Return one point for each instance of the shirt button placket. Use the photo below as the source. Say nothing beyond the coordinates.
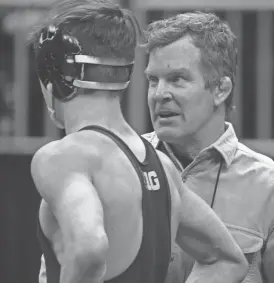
(183, 176)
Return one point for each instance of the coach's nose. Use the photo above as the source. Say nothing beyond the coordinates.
(162, 93)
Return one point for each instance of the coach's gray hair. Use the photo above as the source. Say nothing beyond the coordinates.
(210, 34)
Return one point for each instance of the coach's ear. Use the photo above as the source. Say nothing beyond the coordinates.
(222, 91)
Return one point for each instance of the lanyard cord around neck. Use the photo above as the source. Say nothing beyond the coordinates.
(179, 167)
(216, 184)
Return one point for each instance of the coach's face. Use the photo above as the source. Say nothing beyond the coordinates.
(178, 102)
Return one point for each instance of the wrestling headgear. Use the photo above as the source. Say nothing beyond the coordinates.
(60, 61)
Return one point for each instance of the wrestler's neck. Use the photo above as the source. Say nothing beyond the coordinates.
(192, 145)
(96, 110)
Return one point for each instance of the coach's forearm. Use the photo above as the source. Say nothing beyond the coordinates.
(221, 271)
(87, 266)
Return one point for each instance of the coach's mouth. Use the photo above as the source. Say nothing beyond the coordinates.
(166, 114)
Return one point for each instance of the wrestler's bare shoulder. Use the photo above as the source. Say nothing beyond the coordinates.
(75, 148)
(75, 153)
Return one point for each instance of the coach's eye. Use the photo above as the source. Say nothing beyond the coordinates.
(152, 80)
(178, 79)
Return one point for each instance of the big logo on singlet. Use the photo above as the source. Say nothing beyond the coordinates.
(152, 181)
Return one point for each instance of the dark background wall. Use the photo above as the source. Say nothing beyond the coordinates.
(19, 202)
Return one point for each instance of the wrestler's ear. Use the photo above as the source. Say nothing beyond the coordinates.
(222, 91)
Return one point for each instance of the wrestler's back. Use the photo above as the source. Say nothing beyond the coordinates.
(120, 191)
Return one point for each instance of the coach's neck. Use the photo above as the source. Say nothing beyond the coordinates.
(99, 108)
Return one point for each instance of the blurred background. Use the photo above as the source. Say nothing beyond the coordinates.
(25, 126)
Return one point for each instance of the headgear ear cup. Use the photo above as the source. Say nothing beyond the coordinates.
(60, 61)
(53, 62)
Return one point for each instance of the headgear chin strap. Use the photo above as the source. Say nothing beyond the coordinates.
(50, 106)
(53, 118)
(60, 61)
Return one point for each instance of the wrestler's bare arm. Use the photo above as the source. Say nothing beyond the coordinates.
(61, 176)
(205, 238)
(202, 234)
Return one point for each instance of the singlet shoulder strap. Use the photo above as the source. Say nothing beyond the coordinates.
(153, 152)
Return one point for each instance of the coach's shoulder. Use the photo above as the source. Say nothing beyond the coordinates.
(261, 166)
(152, 138)
(253, 156)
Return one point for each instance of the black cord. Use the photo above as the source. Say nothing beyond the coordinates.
(216, 183)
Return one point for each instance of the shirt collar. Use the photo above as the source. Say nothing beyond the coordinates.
(226, 145)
